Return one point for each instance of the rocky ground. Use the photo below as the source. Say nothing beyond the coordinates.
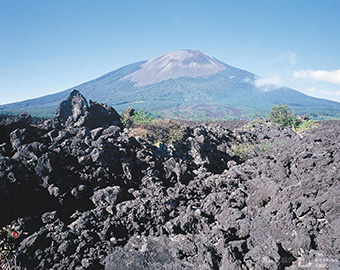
(80, 193)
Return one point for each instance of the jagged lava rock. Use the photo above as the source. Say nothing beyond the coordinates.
(94, 197)
(76, 112)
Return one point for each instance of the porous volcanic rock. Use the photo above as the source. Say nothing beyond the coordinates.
(83, 194)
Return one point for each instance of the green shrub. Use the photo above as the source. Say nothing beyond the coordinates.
(137, 117)
(282, 115)
(305, 125)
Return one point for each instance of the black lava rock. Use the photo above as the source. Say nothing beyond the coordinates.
(81, 193)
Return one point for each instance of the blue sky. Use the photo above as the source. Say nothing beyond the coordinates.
(48, 46)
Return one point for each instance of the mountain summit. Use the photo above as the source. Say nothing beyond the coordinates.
(183, 63)
(185, 84)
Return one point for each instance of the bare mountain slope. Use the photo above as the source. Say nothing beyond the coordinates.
(184, 63)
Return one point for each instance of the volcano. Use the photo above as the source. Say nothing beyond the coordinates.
(184, 84)
(185, 63)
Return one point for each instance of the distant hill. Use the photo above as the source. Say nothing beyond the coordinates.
(185, 84)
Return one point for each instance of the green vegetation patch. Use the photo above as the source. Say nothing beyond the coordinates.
(156, 131)
(304, 125)
(130, 116)
(246, 151)
(253, 123)
(283, 116)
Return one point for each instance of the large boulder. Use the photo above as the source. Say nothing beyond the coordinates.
(102, 115)
(74, 110)
(77, 112)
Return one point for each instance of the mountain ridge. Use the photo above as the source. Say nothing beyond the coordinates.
(219, 92)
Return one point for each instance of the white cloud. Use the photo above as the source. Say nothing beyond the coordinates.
(292, 58)
(327, 93)
(319, 75)
(268, 84)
